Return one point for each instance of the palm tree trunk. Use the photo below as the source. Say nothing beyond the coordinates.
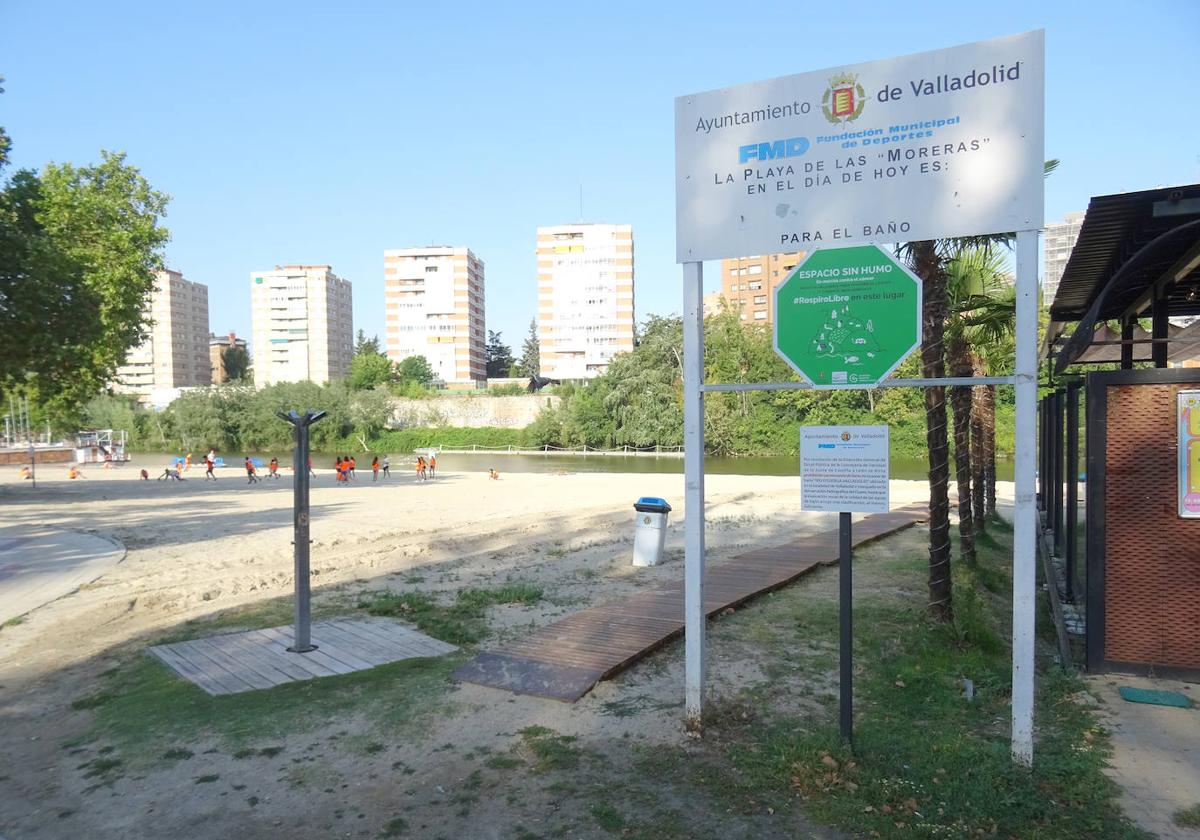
(928, 266)
(977, 449)
(960, 399)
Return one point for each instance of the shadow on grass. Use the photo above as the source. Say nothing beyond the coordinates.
(144, 705)
(928, 761)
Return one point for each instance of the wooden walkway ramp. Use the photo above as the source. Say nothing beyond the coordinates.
(565, 659)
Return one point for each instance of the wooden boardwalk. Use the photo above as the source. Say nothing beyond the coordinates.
(235, 662)
(565, 659)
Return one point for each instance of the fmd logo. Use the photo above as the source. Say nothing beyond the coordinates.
(791, 147)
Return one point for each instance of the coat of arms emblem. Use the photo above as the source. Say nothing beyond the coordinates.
(844, 99)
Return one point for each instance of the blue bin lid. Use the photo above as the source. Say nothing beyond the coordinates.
(651, 504)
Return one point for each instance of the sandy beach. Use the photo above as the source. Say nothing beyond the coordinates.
(198, 549)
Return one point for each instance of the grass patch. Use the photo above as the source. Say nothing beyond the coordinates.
(101, 767)
(550, 751)
(503, 762)
(395, 827)
(608, 817)
(15, 621)
(635, 705)
(148, 708)
(92, 701)
(1188, 817)
(927, 762)
(462, 623)
(177, 754)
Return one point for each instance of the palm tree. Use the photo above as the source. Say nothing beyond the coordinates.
(928, 259)
(979, 313)
(993, 327)
(928, 264)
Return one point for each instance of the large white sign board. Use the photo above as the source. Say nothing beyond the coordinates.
(928, 146)
(844, 469)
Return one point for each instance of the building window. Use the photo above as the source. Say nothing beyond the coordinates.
(760, 299)
(760, 315)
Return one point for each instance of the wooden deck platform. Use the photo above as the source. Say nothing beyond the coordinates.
(236, 662)
(565, 659)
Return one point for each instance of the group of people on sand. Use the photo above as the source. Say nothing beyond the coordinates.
(252, 470)
(344, 468)
(426, 469)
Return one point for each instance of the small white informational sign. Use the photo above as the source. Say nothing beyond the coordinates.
(928, 146)
(844, 469)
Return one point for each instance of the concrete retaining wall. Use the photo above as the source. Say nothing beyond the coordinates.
(470, 411)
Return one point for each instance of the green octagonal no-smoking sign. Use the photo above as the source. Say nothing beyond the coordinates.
(847, 317)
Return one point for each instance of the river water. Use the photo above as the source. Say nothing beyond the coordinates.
(901, 468)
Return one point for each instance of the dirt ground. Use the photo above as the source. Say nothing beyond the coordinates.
(408, 753)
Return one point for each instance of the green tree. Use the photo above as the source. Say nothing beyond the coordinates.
(415, 369)
(499, 356)
(645, 397)
(117, 411)
(531, 349)
(235, 361)
(370, 370)
(79, 247)
(362, 344)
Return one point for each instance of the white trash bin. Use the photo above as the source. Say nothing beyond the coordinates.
(650, 530)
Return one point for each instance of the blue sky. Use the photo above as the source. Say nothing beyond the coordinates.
(325, 133)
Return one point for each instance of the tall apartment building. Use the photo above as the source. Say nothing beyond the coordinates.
(175, 354)
(435, 308)
(302, 326)
(748, 283)
(217, 345)
(1059, 240)
(585, 298)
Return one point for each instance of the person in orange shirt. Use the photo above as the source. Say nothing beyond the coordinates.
(420, 468)
(375, 469)
(251, 478)
(274, 467)
(353, 464)
(432, 465)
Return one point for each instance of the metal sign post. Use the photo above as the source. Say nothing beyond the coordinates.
(845, 630)
(693, 482)
(301, 641)
(1024, 513)
(844, 470)
(937, 145)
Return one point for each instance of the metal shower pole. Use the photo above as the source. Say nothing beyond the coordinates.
(301, 639)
